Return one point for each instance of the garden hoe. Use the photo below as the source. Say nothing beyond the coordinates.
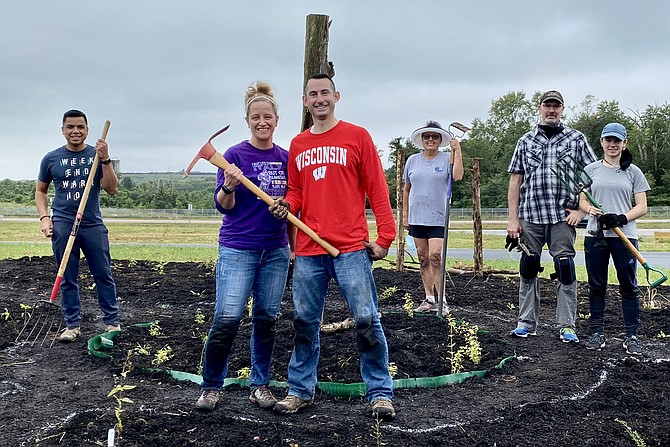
(209, 153)
(46, 314)
(573, 176)
(441, 298)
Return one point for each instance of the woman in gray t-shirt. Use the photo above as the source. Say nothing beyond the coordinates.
(426, 178)
(621, 190)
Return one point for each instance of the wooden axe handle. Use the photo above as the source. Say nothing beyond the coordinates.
(209, 153)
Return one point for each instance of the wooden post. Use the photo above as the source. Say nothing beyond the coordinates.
(400, 206)
(316, 55)
(478, 254)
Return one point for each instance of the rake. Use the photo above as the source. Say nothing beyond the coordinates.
(441, 299)
(572, 175)
(46, 314)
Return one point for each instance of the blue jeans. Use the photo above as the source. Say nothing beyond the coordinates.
(94, 243)
(597, 254)
(240, 273)
(353, 273)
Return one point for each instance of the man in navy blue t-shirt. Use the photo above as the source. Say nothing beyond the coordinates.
(68, 168)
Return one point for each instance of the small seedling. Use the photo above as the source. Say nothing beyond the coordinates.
(5, 314)
(584, 316)
(142, 349)
(117, 393)
(408, 305)
(511, 306)
(163, 355)
(634, 435)
(199, 317)
(155, 330)
(388, 293)
(471, 349)
(25, 314)
(377, 432)
(244, 373)
(662, 334)
(393, 369)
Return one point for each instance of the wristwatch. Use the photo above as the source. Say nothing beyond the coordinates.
(226, 190)
(106, 162)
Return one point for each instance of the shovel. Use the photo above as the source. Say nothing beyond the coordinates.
(441, 299)
(573, 176)
(210, 154)
(46, 313)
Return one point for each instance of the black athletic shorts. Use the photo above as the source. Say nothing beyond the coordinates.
(425, 232)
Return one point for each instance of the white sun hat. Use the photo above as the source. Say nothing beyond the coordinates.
(433, 127)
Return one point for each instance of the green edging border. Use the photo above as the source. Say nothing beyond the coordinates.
(105, 341)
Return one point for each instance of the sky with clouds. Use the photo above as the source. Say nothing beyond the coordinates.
(168, 74)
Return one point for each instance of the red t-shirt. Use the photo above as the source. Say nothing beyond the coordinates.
(329, 176)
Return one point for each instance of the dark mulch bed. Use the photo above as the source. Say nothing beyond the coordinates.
(550, 394)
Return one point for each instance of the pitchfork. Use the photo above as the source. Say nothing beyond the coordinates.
(572, 175)
(47, 312)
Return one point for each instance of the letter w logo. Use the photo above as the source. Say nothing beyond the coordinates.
(319, 173)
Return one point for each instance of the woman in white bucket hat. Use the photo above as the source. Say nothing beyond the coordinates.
(427, 181)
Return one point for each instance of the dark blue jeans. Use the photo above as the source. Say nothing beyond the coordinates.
(94, 243)
(597, 253)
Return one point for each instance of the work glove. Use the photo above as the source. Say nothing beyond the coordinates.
(611, 220)
(280, 209)
(511, 243)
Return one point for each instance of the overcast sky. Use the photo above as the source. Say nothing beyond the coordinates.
(168, 74)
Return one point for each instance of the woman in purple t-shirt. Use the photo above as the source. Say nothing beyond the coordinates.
(254, 252)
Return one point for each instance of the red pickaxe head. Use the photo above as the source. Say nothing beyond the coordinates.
(206, 152)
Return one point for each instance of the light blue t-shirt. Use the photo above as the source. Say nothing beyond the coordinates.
(428, 194)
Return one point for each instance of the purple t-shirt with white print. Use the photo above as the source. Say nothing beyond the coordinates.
(249, 224)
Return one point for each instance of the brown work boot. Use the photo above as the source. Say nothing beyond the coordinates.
(113, 328)
(69, 335)
(382, 409)
(262, 396)
(291, 404)
(208, 400)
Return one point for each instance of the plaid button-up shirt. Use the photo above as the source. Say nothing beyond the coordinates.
(543, 198)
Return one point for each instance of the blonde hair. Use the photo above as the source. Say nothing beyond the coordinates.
(259, 91)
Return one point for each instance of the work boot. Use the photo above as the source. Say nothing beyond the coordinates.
(382, 409)
(113, 328)
(291, 404)
(69, 335)
(262, 396)
(208, 400)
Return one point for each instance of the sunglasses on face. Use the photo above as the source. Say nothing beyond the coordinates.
(431, 136)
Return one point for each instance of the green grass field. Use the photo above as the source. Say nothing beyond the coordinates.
(196, 242)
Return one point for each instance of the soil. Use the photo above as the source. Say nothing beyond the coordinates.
(548, 393)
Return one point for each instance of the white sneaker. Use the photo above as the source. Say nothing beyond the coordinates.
(426, 306)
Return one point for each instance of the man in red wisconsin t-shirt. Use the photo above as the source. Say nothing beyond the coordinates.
(332, 167)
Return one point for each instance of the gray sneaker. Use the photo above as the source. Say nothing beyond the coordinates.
(262, 396)
(208, 400)
(632, 345)
(596, 341)
(426, 306)
(382, 409)
(291, 404)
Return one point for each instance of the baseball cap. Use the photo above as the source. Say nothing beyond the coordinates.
(552, 95)
(614, 130)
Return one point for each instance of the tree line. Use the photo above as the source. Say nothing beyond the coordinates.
(492, 140)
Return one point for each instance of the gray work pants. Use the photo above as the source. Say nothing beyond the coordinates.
(560, 238)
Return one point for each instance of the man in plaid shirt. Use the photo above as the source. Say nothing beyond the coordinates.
(542, 210)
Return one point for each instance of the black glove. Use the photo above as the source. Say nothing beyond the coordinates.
(280, 209)
(611, 220)
(511, 243)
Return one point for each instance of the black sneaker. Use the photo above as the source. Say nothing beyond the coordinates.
(596, 341)
(632, 345)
